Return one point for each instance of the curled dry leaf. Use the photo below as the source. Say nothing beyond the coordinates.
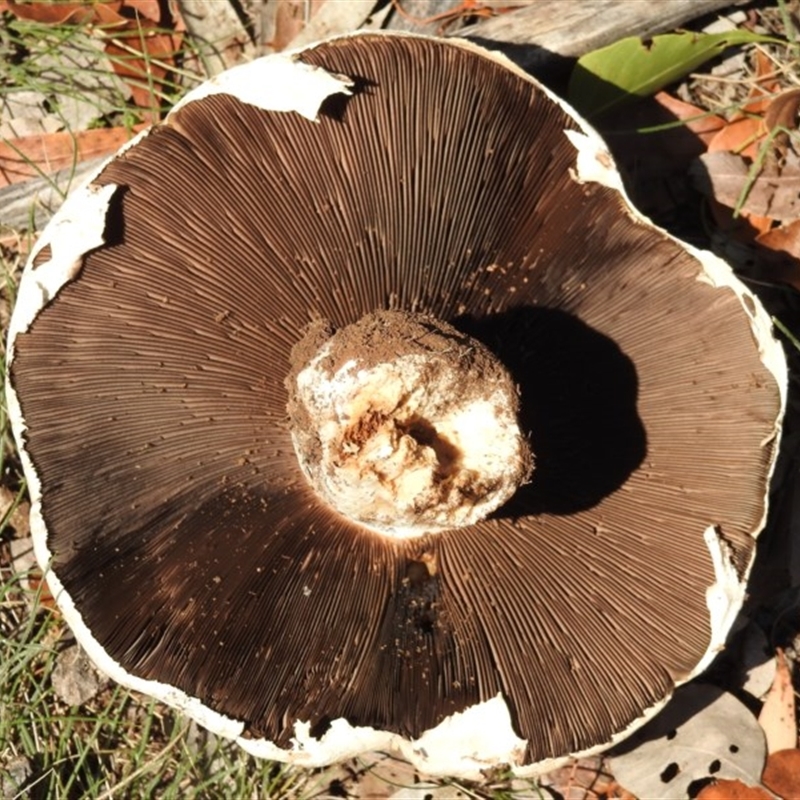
(782, 774)
(283, 22)
(103, 12)
(733, 790)
(777, 716)
(149, 9)
(740, 136)
(782, 111)
(144, 51)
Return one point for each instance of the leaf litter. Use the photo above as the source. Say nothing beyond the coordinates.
(778, 717)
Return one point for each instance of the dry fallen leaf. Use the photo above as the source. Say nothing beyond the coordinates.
(702, 733)
(43, 154)
(782, 111)
(149, 9)
(284, 21)
(103, 12)
(334, 19)
(727, 177)
(704, 125)
(769, 192)
(782, 774)
(733, 790)
(739, 136)
(784, 239)
(777, 716)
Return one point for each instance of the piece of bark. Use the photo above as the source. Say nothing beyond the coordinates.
(30, 205)
(544, 32)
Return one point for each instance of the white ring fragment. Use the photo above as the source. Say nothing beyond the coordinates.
(724, 597)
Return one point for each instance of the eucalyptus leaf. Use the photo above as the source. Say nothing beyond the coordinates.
(636, 67)
(704, 733)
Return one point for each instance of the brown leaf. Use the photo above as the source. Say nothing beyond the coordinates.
(777, 714)
(782, 774)
(782, 111)
(732, 790)
(148, 9)
(142, 55)
(30, 156)
(151, 31)
(726, 177)
(780, 260)
(741, 135)
(785, 239)
(765, 86)
(104, 12)
(289, 18)
(696, 119)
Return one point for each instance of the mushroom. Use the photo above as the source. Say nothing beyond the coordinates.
(365, 412)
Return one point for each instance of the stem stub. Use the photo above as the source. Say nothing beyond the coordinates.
(404, 424)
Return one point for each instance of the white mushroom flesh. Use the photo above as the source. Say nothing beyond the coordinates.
(422, 442)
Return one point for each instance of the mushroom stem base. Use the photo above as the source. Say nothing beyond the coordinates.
(405, 425)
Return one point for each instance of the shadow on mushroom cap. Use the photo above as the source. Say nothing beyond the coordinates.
(579, 394)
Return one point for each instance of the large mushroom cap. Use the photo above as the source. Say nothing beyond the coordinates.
(149, 357)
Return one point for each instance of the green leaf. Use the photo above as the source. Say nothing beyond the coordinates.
(635, 67)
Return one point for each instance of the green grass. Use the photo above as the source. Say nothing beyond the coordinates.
(65, 63)
(118, 744)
